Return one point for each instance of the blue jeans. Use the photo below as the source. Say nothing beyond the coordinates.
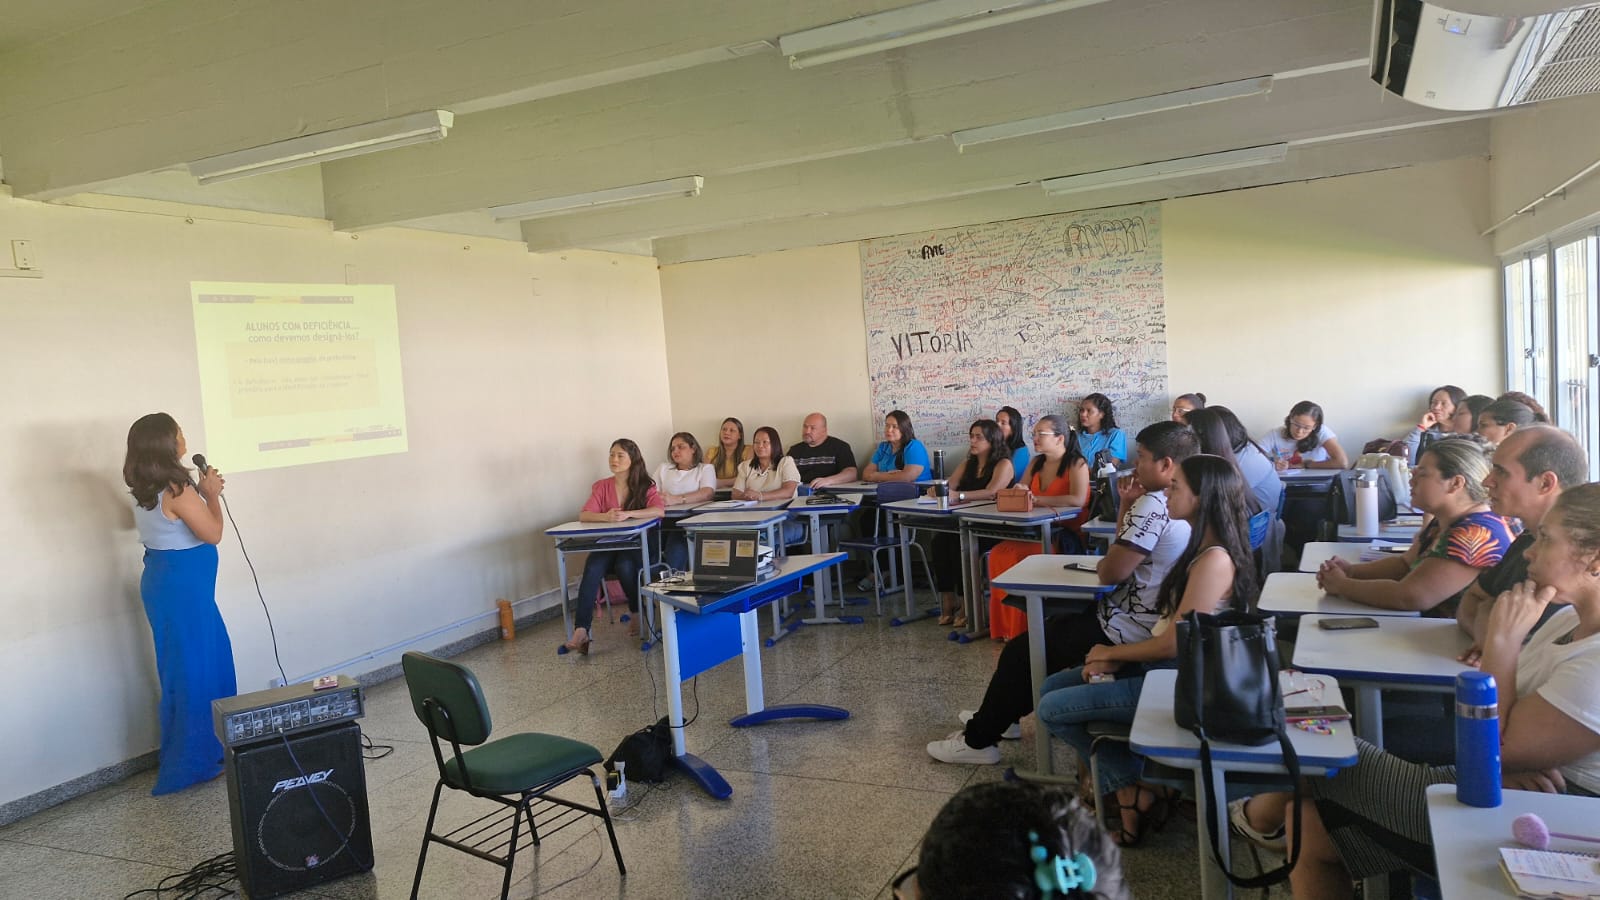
(623, 564)
(1067, 704)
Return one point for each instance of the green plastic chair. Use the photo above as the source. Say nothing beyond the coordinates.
(516, 771)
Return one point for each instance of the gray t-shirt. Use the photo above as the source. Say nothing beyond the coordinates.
(1129, 612)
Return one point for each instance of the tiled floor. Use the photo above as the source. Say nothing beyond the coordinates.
(819, 809)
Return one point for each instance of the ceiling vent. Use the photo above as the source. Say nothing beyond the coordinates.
(1445, 59)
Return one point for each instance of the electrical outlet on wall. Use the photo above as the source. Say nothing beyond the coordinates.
(24, 263)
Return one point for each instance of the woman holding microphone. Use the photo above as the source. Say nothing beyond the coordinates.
(180, 524)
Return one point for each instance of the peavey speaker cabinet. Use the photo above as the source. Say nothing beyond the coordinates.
(299, 807)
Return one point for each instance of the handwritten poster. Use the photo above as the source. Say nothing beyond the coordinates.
(1031, 313)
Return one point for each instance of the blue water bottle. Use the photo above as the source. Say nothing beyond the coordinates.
(1477, 740)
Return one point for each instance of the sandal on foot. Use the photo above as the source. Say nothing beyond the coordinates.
(1151, 808)
(946, 620)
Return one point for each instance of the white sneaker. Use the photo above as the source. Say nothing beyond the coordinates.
(1239, 824)
(954, 749)
(1014, 733)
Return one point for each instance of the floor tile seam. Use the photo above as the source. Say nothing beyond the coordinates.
(140, 862)
(840, 781)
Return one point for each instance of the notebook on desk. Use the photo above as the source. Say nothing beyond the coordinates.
(723, 561)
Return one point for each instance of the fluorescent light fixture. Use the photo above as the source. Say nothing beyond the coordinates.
(1204, 164)
(687, 186)
(371, 137)
(1122, 109)
(911, 25)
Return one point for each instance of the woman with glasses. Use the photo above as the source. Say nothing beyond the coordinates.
(1185, 404)
(1059, 477)
(1097, 430)
(1304, 442)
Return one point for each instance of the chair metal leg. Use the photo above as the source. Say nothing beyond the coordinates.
(605, 813)
(427, 835)
(511, 852)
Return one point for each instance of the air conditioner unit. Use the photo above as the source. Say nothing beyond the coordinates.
(1446, 59)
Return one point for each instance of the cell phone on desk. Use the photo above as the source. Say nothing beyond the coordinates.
(1081, 567)
(1304, 713)
(1353, 623)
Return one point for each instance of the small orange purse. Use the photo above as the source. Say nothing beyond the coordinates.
(1013, 500)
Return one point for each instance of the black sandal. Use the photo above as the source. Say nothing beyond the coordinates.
(1152, 817)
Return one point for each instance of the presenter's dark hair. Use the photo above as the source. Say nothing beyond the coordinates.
(1018, 426)
(907, 435)
(152, 463)
(1221, 510)
(1102, 403)
(998, 449)
(979, 846)
(1074, 452)
(694, 445)
(639, 480)
(777, 445)
(1169, 440)
(1313, 440)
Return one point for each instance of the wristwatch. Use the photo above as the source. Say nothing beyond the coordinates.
(961, 497)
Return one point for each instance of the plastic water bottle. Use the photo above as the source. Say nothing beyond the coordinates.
(508, 621)
(1477, 740)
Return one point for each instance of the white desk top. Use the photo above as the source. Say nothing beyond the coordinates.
(579, 529)
(750, 517)
(1315, 553)
(991, 513)
(853, 487)
(1156, 734)
(917, 507)
(1297, 594)
(1100, 528)
(1388, 532)
(801, 506)
(680, 510)
(1399, 651)
(1046, 575)
(1467, 839)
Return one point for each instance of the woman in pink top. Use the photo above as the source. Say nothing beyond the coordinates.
(630, 493)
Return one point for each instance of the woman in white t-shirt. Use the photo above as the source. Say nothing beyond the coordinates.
(1304, 442)
(687, 478)
(1372, 818)
(769, 474)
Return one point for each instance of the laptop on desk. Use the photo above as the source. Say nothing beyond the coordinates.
(724, 561)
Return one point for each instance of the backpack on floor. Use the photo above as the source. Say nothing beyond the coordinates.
(646, 753)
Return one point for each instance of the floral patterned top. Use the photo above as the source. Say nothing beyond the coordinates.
(1476, 539)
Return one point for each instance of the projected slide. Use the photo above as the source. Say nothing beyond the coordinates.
(297, 373)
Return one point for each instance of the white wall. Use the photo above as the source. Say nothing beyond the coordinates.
(1361, 292)
(504, 369)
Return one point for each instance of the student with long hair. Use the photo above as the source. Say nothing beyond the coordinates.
(1214, 570)
(1439, 420)
(1465, 419)
(729, 452)
(1504, 416)
(1014, 434)
(1304, 441)
(1212, 426)
(1463, 537)
(1015, 840)
(630, 493)
(770, 474)
(899, 456)
(1058, 476)
(985, 471)
(180, 523)
(1097, 430)
(1372, 818)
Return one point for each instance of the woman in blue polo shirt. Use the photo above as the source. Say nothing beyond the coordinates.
(900, 456)
(1097, 430)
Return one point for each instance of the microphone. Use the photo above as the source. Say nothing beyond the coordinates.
(1530, 830)
(200, 462)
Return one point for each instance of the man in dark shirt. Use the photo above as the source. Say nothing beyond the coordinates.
(822, 460)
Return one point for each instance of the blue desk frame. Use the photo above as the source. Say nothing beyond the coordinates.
(697, 639)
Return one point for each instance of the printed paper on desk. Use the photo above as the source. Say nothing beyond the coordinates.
(1542, 873)
(714, 551)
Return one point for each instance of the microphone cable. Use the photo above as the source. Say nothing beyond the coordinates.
(253, 577)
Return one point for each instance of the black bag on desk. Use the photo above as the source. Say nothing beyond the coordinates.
(1227, 690)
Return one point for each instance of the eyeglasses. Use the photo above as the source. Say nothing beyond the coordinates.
(1045, 434)
(898, 886)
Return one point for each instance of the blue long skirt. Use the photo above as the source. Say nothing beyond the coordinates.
(194, 660)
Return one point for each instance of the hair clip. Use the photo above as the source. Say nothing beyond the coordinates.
(1057, 874)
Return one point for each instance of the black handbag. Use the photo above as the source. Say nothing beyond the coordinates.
(1227, 690)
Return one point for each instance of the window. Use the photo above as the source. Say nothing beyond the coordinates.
(1553, 333)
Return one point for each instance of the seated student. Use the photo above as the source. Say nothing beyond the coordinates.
(1462, 538)
(769, 475)
(1185, 404)
(1212, 426)
(1014, 434)
(1015, 840)
(1214, 570)
(1097, 430)
(1058, 476)
(1438, 420)
(629, 493)
(1303, 441)
(729, 452)
(684, 480)
(821, 458)
(1539, 415)
(1147, 543)
(1465, 420)
(1372, 818)
(986, 470)
(1505, 415)
(900, 456)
